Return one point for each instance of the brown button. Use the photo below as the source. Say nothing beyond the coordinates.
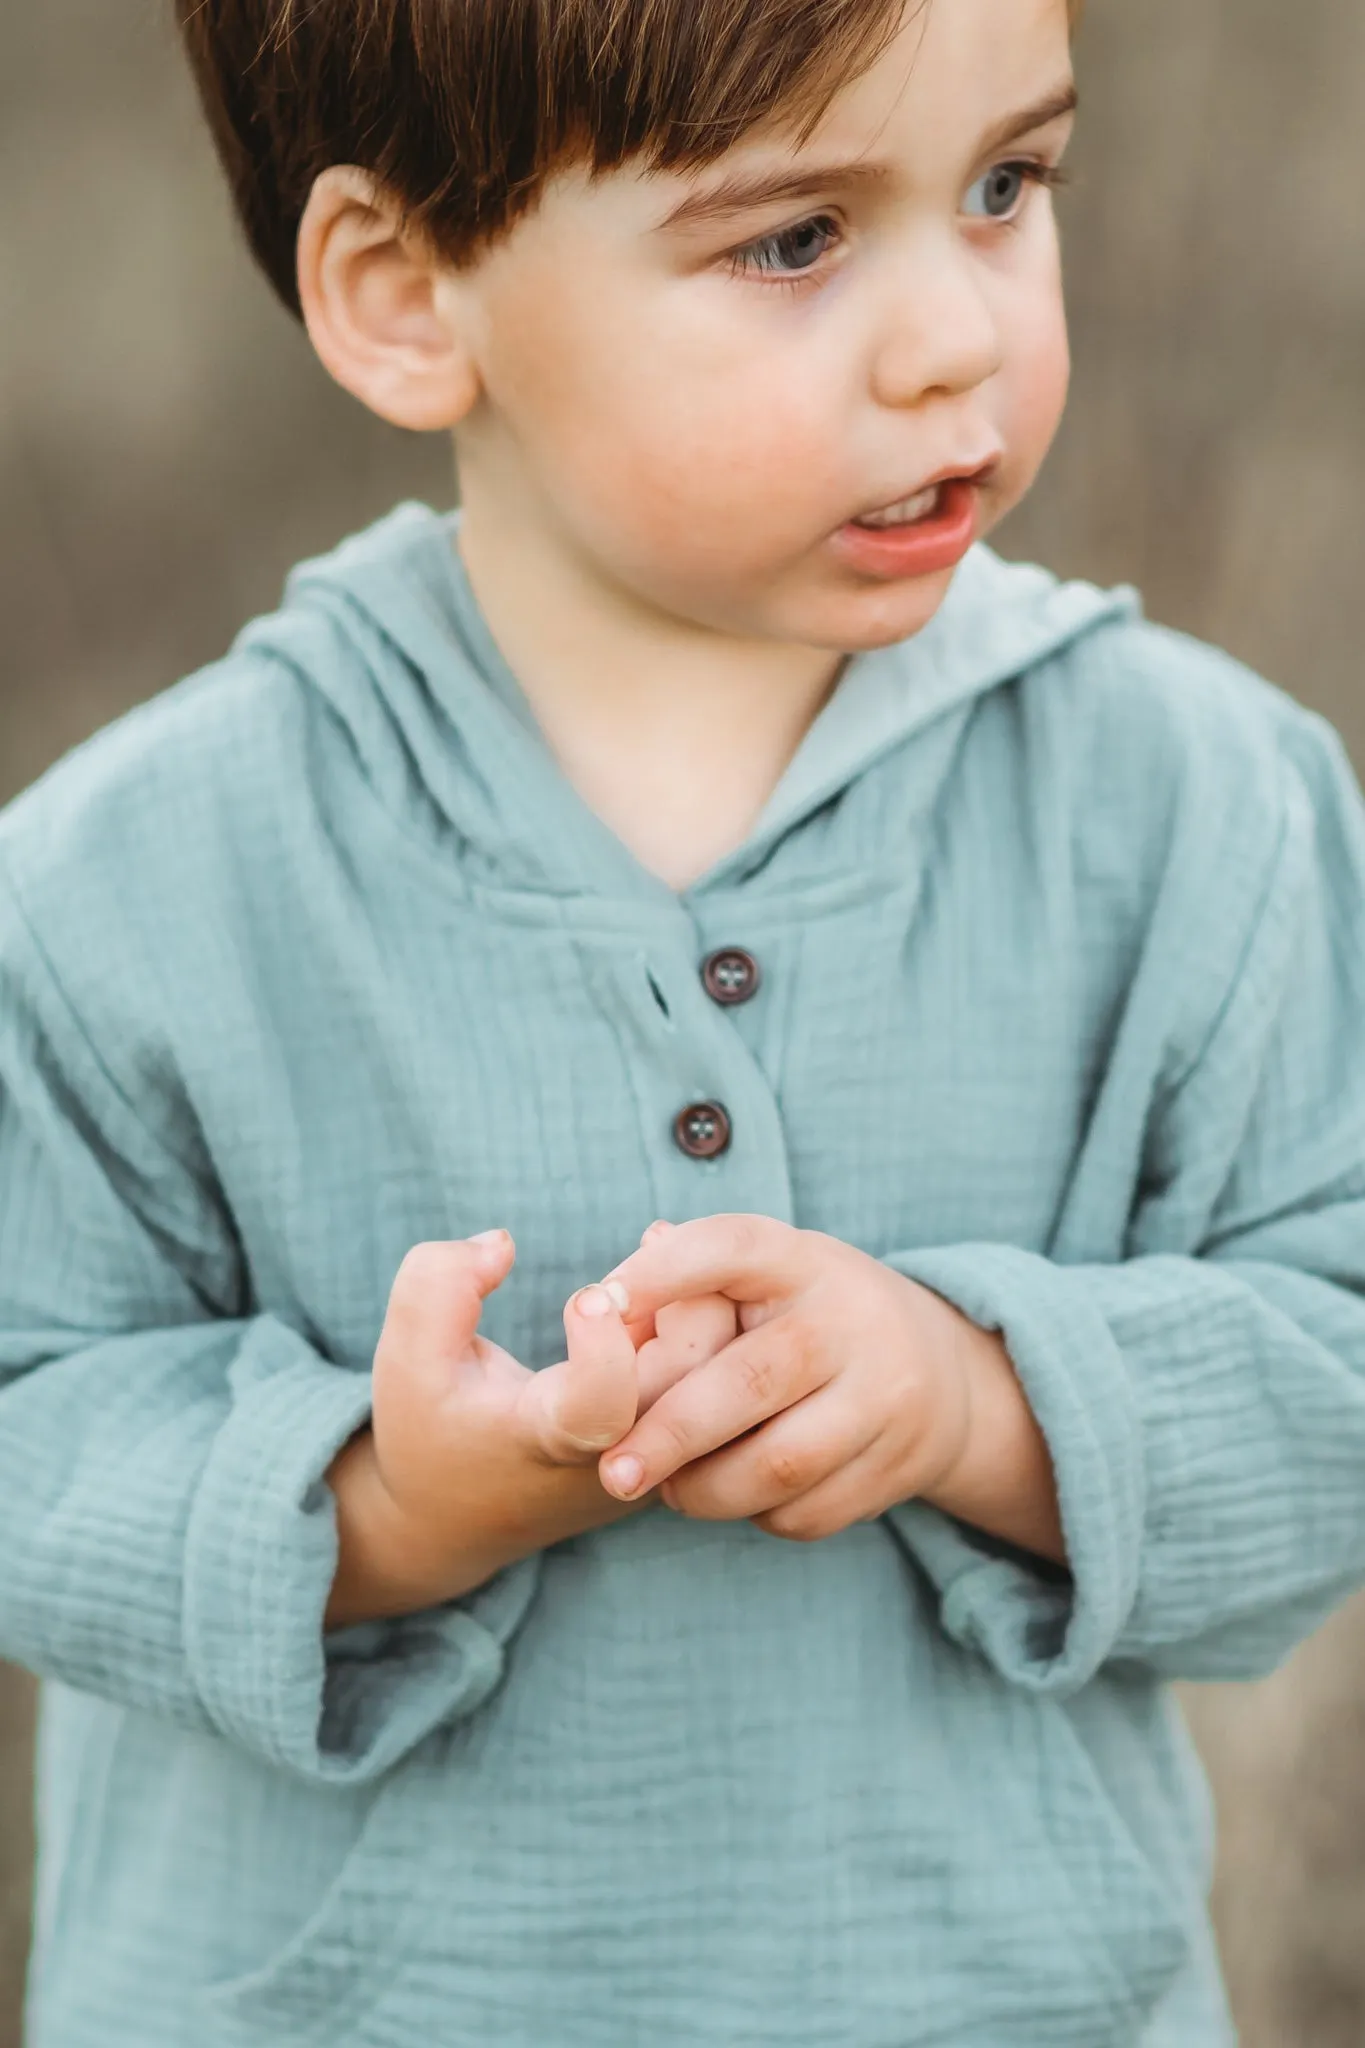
(702, 1130)
(730, 976)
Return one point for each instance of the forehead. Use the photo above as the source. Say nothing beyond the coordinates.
(922, 112)
(954, 69)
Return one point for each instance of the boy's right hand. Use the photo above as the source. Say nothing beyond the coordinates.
(472, 1461)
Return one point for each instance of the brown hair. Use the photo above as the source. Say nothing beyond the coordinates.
(462, 108)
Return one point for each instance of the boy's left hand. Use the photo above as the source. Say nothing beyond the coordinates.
(848, 1389)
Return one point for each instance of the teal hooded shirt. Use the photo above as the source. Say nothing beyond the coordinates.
(1061, 927)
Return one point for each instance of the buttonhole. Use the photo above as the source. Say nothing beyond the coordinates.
(660, 998)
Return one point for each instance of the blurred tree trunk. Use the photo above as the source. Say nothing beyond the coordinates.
(16, 1843)
(1287, 1761)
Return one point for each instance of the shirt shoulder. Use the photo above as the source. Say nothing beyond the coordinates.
(1175, 754)
(140, 871)
(158, 780)
(1176, 804)
(212, 784)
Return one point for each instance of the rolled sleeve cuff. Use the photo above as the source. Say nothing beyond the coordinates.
(261, 1554)
(1045, 1631)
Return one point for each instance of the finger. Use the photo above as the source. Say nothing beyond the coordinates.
(641, 1330)
(748, 1258)
(761, 1373)
(641, 1324)
(697, 1329)
(437, 1298)
(577, 1409)
(783, 1460)
(689, 1334)
(859, 1492)
(659, 1369)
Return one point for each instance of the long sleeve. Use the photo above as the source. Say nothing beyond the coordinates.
(1204, 1398)
(167, 1538)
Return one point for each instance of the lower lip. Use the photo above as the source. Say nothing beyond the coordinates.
(924, 548)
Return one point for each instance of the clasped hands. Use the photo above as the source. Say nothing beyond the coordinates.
(786, 1378)
(736, 1367)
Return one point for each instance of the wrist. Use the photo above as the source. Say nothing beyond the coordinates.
(1002, 1479)
(386, 1565)
(391, 1563)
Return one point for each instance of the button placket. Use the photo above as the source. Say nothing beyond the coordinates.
(709, 1115)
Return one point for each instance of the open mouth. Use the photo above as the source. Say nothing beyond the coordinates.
(925, 505)
(905, 512)
(920, 535)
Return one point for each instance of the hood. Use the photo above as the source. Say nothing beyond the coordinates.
(386, 629)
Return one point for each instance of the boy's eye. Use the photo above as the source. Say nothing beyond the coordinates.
(998, 195)
(791, 250)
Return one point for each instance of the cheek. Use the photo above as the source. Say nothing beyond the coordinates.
(694, 446)
(1036, 381)
(1044, 401)
(690, 437)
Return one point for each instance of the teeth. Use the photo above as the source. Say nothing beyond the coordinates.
(905, 512)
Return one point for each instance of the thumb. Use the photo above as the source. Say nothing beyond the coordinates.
(577, 1410)
(438, 1296)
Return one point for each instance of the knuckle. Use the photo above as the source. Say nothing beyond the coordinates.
(675, 1437)
(424, 1267)
(759, 1376)
(818, 1243)
(805, 1349)
(786, 1469)
(745, 1235)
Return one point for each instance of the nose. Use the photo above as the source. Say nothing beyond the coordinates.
(940, 334)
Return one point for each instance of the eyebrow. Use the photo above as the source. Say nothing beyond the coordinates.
(1042, 114)
(741, 194)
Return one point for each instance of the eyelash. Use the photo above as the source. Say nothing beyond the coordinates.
(746, 261)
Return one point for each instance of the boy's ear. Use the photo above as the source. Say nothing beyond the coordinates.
(382, 310)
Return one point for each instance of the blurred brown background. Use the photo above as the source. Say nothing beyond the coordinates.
(168, 448)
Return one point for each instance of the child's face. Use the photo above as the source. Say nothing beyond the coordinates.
(694, 401)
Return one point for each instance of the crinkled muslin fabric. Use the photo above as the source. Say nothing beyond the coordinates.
(1061, 926)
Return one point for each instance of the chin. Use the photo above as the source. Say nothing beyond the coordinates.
(861, 621)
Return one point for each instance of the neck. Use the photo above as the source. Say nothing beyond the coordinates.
(674, 734)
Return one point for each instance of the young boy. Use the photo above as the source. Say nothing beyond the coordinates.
(702, 828)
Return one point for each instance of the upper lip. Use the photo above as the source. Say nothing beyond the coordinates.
(971, 471)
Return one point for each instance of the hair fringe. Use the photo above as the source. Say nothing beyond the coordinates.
(463, 108)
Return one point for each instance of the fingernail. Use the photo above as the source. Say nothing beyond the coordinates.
(656, 1230)
(487, 1237)
(593, 1301)
(620, 1299)
(623, 1476)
